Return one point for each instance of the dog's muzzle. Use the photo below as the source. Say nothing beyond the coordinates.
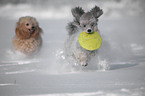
(32, 29)
(89, 31)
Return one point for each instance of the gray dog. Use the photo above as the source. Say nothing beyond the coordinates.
(83, 21)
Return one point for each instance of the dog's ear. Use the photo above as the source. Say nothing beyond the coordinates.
(96, 11)
(37, 32)
(77, 12)
(40, 30)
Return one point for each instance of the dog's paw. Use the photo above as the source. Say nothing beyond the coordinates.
(84, 64)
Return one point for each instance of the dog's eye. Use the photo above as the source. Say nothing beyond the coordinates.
(92, 25)
(27, 24)
(84, 25)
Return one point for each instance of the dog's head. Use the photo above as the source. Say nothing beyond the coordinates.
(27, 27)
(87, 21)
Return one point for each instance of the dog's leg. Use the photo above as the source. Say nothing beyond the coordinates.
(83, 61)
(82, 58)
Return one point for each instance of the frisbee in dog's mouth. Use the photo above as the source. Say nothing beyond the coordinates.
(91, 41)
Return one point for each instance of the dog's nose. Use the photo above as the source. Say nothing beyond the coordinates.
(33, 27)
(89, 30)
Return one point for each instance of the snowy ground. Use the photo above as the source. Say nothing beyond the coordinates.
(48, 74)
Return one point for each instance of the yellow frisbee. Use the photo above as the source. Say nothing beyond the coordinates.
(90, 41)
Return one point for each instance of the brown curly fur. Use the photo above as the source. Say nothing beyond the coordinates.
(28, 38)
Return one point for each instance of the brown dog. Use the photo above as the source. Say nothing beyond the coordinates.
(28, 35)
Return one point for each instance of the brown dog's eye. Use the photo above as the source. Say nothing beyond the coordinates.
(84, 25)
(27, 24)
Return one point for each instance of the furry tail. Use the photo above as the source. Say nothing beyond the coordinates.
(71, 28)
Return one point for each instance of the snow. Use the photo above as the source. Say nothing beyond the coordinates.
(6, 84)
(118, 82)
(119, 69)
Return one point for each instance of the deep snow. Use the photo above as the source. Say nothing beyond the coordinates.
(49, 74)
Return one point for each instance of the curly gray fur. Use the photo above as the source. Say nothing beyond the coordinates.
(97, 12)
(77, 12)
(82, 22)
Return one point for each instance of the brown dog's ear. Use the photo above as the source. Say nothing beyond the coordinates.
(40, 30)
(97, 12)
(37, 32)
(21, 33)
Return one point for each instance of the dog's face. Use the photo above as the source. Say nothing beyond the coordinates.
(88, 22)
(30, 25)
(27, 27)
